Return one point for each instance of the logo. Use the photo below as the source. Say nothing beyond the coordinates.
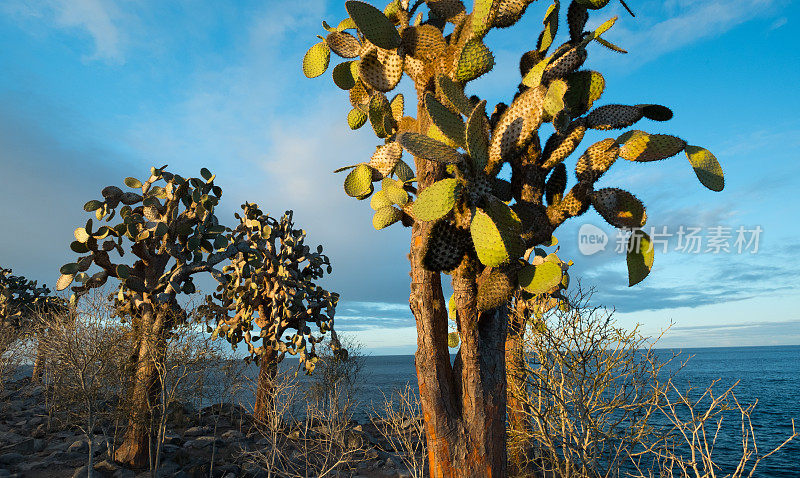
(591, 239)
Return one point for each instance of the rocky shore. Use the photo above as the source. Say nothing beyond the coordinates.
(219, 441)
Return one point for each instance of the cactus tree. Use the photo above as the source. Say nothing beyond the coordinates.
(167, 224)
(465, 220)
(271, 284)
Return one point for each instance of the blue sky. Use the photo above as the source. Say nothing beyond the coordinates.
(92, 91)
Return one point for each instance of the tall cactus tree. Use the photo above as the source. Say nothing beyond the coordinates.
(168, 225)
(464, 220)
(271, 285)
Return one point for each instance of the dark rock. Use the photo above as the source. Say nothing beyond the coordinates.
(197, 431)
(11, 458)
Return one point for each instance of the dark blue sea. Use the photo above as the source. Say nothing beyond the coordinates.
(770, 375)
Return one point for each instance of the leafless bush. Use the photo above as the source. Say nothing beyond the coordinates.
(401, 425)
(11, 354)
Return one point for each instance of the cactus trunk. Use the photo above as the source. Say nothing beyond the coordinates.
(268, 369)
(135, 448)
(519, 453)
(464, 403)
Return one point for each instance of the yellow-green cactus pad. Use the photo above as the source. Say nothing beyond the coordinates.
(386, 216)
(373, 24)
(541, 279)
(483, 15)
(644, 147)
(515, 128)
(509, 12)
(564, 64)
(475, 60)
(358, 182)
(343, 44)
(356, 118)
(584, 88)
(641, 256)
(424, 42)
(394, 191)
(448, 122)
(446, 9)
(593, 4)
(597, 159)
(707, 168)
(495, 232)
(454, 95)
(343, 75)
(397, 106)
(452, 340)
(619, 208)
(379, 200)
(495, 289)
(445, 247)
(614, 117)
(423, 146)
(379, 109)
(385, 158)
(382, 74)
(316, 60)
(436, 200)
(550, 27)
(360, 96)
(559, 146)
(554, 98)
(477, 136)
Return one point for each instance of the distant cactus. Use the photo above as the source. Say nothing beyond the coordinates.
(272, 284)
(20, 297)
(465, 220)
(167, 224)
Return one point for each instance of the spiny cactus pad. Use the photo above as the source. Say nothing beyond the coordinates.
(597, 159)
(343, 76)
(707, 168)
(445, 247)
(619, 208)
(316, 60)
(386, 216)
(381, 71)
(585, 87)
(559, 146)
(496, 234)
(343, 44)
(437, 199)
(448, 122)
(385, 158)
(356, 118)
(614, 117)
(509, 12)
(644, 147)
(373, 24)
(640, 258)
(477, 136)
(454, 94)
(516, 127)
(556, 184)
(475, 60)
(358, 182)
(423, 146)
(495, 289)
(540, 279)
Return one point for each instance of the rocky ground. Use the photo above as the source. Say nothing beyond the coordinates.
(33, 445)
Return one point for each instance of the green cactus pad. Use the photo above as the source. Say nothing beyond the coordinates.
(316, 60)
(403, 171)
(436, 200)
(483, 15)
(343, 44)
(495, 289)
(425, 147)
(379, 108)
(597, 159)
(496, 234)
(397, 106)
(448, 122)
(64, 281)
(556, 184)
(540, 279)
(585, 87)
(394, 191)
(445, 247)
(423, 42)
(613, 117)
(706, 167)
(356, 118)
(640, 258)
(133, 183)
(509, 12)
(619, 208)
(385, 158)
(386, 216)
(380, 70)
(643, 147)
(373, 24)
(71, 268)
(550, 27)
(565, 64)
(593, 4)
(379, 200)
(358, 182)
(501, 189)
(446, 9)
(475, 60)
(453, 93)
(477, 136)
(656, 112)
(343, 75)
(452, 340)
(359, 96)
(554, 98)
(560, 145)
(515, 127)
(92, 205)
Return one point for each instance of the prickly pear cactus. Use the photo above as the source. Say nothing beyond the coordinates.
(479, 216)
(20, 297)
(168, 226)
(271, 283)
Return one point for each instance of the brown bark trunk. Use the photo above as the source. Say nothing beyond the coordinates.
(520, 452)
(268, 369)
(463, 404)
(135, 448)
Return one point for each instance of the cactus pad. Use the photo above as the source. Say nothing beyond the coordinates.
(436, 200)
(452, 340)
(316, 60)
(343, 44)
(706, 167)
(556, 184)
(373, 24)
(424, 42)
(394, 191)
(614, 117)
(445, 247)
(397, 105)
(619, 208)
(593, 4)
(640, 257)
(385, 158)
(477, 136)
(509, 12)
(516, 127)
(656, 112)
(577, 15)
(540, 279)
(358, 182)
(559, 146)
(585, 87)
(496, 234)
(382, 74)
(564, 64)
(425, 147)
(386, 216)
(597, 159)
(643, 147)
(495, 289)
(474, 61)
(343, 76)
(448, 122)
(356, 118)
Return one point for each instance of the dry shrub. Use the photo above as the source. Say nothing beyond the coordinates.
(401, 424)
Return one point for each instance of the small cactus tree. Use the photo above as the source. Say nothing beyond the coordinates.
(271, 285)
(465, 220)
(168, 225)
